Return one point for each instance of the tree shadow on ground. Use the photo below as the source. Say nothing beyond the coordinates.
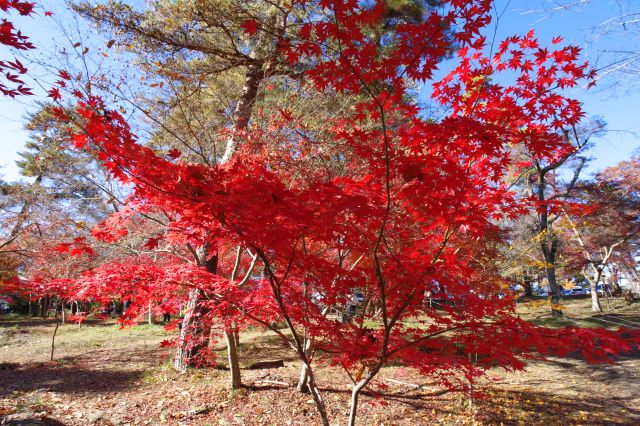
(144, 356)
(501, 406)
(26, 322)
(497, 406)
(65, 379)
(30, 421)
(598, 372)
(613, 320)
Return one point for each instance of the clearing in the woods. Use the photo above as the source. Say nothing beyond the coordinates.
(105, 375)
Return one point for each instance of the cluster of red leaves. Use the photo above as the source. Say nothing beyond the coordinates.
(408, 219)
(54, 269)
(9, 36)
(75, 248)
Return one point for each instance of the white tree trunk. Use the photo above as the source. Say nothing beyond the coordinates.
(595, 299)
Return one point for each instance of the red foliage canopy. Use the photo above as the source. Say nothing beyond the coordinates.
(408, 218)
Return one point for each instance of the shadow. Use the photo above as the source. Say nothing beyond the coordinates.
(144, 357)
(559, 363)
(267, 387)
(492, 406)
(27, 322)
(605, 373)
(631, 321)
(510, 407)
(612, 321)
(4, 366)
(414, 398)
(418, 400)
(65, 379)
(29, 420)
(576, 365)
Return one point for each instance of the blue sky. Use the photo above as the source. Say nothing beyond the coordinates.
(619, 108)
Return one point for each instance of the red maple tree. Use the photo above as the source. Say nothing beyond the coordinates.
(404, 218)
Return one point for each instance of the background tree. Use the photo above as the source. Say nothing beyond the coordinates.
(542, 178)
(606, 226)
(68, 194)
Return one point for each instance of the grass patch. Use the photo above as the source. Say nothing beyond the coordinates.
(157, 375)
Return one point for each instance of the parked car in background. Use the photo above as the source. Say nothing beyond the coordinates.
(598, 289)
(540, 292)
(5, 308)
(579, 291)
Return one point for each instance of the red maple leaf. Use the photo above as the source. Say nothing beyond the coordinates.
(250, 26)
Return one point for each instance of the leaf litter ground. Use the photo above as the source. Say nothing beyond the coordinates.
(103, 375)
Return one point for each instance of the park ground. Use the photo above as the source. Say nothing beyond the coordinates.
(105, 375)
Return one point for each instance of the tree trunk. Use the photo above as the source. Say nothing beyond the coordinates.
(53, 339)
(244, 108)
(232, 355)
(354, 407)
(353, 410)
(549, 249)
(194, 332)
(595, 299)
(554, 291)
(526, 283)
(303, 382)
(317, 398)
(593, 284)
(355, 395)
(187, 347)
(44, 306)
(33, 308)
